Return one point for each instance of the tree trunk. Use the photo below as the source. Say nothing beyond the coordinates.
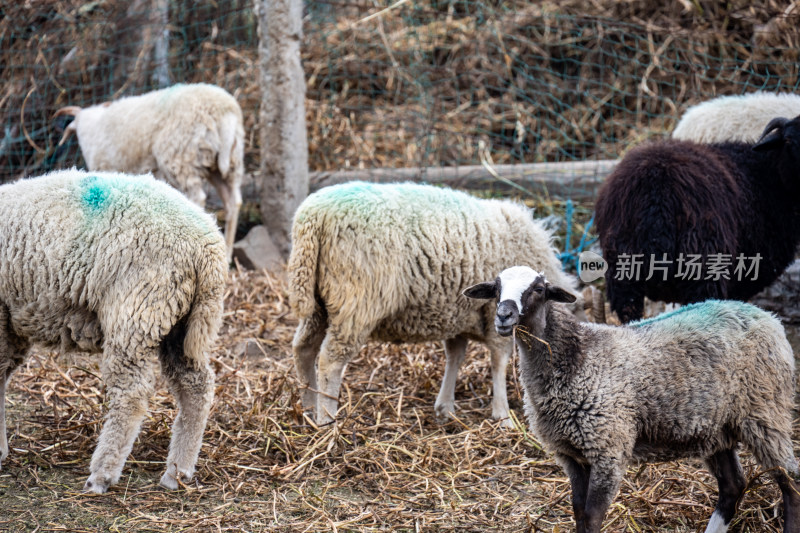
(142, 46)
(284, 147)
(161, 76)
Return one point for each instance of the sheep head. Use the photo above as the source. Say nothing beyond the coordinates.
(522, 294)
(781, 137)
(772, 136)
(72, 111)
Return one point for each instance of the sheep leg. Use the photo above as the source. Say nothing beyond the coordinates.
(129, 384)
(193, 390)
(337, 350)
(605, 477)
(770, 442)
(791, 502)
(579, 480)
(500, 356)
(731, 483)
(454, 349)
(3, 437)
(231, 198)
(12, 353)
(3, 385)
(233, 202)
(306, 345)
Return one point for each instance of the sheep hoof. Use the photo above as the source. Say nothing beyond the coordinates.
(93, 485)
(170, 479)
(444, 412)
(506, 423)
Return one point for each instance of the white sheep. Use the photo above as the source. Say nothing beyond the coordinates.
(692, 383)
(735, 118)
(126, 266)
(185, 135)
(384, 262)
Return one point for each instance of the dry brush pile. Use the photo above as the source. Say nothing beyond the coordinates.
(387, 466)
(428, 83)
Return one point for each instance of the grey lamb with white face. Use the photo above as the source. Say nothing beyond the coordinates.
(692, 383)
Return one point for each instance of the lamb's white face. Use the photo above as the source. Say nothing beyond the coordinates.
(514, 282)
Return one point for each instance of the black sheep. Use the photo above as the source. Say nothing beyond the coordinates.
(696, 201)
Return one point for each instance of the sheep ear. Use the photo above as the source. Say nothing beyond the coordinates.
(482, 291)
(557, 294)
(772, 137)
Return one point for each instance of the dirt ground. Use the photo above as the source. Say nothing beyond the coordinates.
(387, 466)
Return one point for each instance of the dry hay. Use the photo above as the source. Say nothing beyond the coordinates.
(422, 85)
(428, 82)
(387, 466)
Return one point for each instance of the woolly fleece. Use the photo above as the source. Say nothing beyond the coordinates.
(735, 118)
(389, 262)
(127, 266)
(184, 135)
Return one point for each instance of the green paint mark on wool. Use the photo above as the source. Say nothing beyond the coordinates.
(703, 314)
(410, 196)
(95, 193)
(142, 196)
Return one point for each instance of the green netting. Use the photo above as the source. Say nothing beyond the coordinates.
(429, 83)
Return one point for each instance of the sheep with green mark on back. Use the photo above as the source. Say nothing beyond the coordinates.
(388, 262)
(185, 135)
(123, 265)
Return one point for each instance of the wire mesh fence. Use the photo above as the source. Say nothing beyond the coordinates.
(428, 83)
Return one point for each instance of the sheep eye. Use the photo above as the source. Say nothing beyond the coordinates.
(539, 289)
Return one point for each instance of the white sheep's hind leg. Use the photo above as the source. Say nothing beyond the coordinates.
(12, 353)
(129, 384)
(194, 393)
(306, 346)
(3, 386)
(3, 437)
(500, 352)
(455, 350)
(231, 196)
(336, 351)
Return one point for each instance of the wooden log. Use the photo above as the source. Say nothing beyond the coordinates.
(577, 180)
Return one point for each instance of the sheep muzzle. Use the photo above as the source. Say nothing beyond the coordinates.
(506, 317)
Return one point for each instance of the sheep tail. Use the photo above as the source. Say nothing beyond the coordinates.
(302, 264)
(205, 316)
(228, 140)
